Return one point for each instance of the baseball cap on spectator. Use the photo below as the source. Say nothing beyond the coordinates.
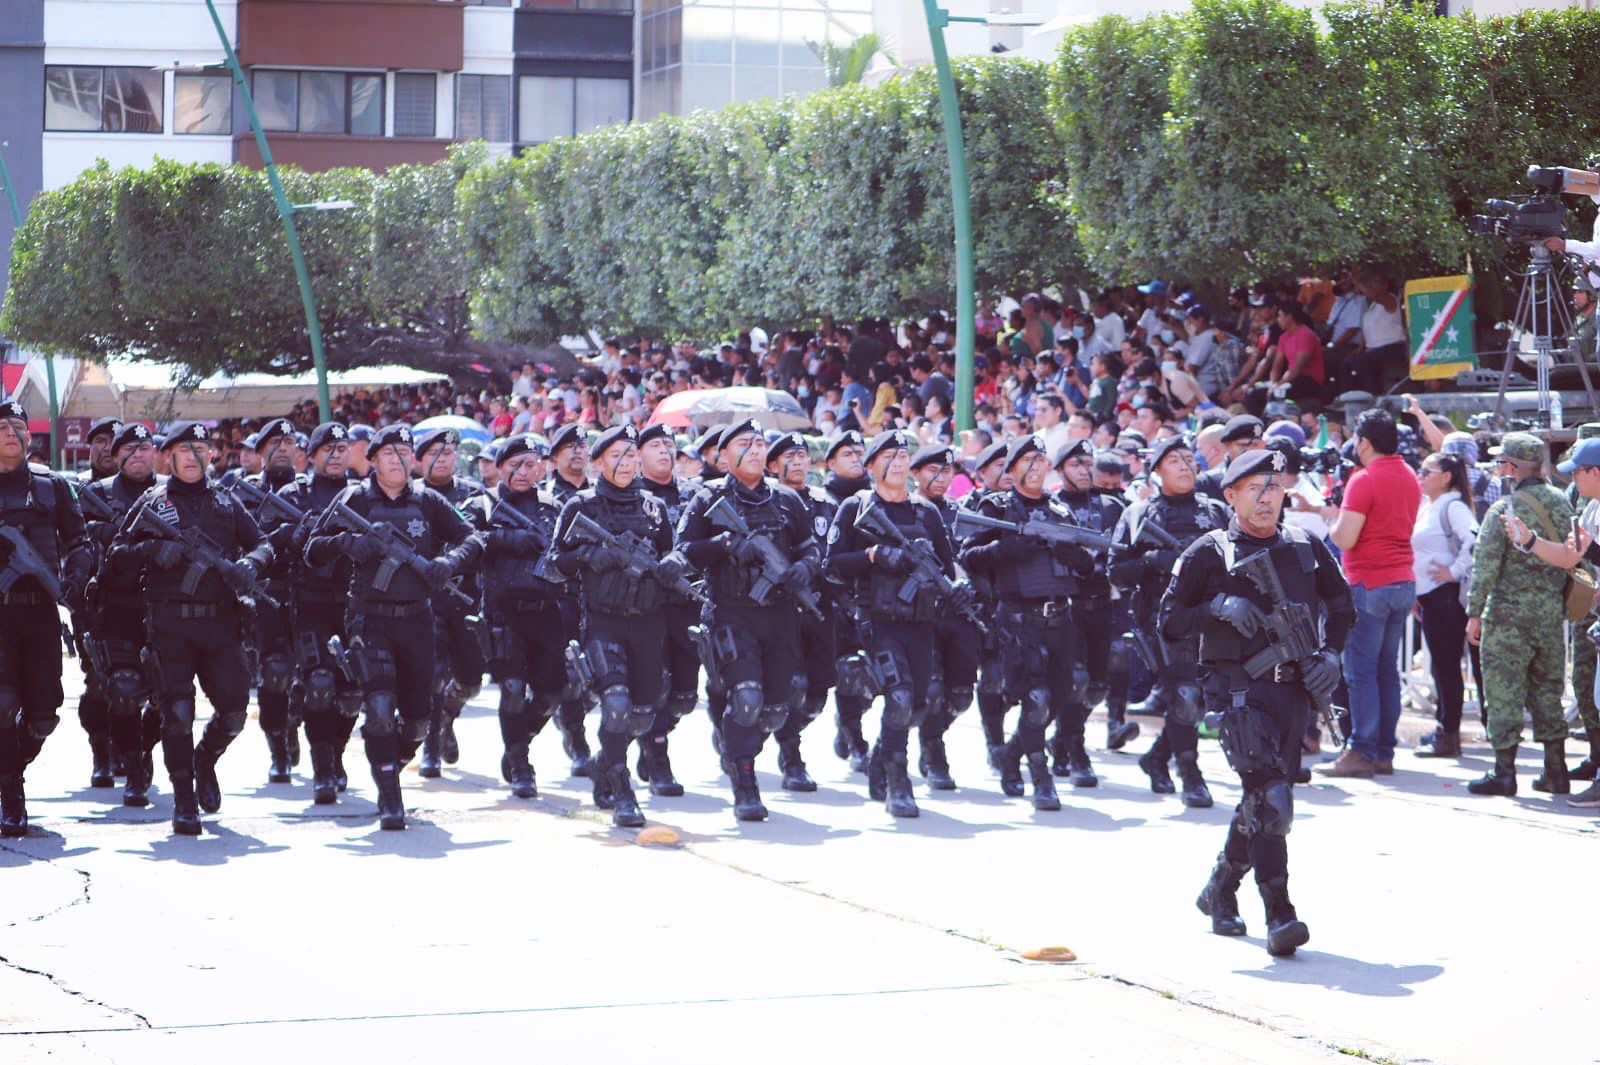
(1585, 453)
(1524, 447)
(848, 438)
(1155, 287)
(1461, 445)
(132, 433)
(1289, 431)
(325, 434)
(1242, 427)
(109, 426)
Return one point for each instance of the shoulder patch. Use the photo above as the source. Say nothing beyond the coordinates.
(833, 533)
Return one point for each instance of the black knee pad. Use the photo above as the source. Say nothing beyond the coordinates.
(936, 692)
(898, 711)
(744, 704)
(1277, 808)
(379, 707)
(957, 700)
(227, 725)
(680, 704)
(640, 721)
(513, 697)
(1036, 707)
(126, 691)
(854, 679)
(773, 716)
(351, 704)
(277, 673)
(616, 706)
(1187, 703)
(797, 692)
(177, 717)
(319, 689)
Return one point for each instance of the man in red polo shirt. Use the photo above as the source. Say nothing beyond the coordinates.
(1373, 530)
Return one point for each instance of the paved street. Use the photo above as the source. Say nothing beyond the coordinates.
(1444, 928)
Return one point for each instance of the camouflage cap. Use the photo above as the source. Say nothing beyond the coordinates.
(1524, 447)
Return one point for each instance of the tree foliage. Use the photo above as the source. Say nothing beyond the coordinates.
(847, 64)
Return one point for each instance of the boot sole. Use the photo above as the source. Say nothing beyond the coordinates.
(1286, 942)
(186, 829)
(525, 793)
(13, 831)
(324, 798)
(1046, 806)
(666, 791)
(102, 782)
(392, 824)
(430, 773)
(751, 815)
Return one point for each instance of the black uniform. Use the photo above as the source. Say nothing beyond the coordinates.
(682, 659)
(1141, 566)
(758, 643)
(459, 636)
(195, 634)
(818, 669)
(623, 622)
(853, 692)
(40, 507)
(116, 637)
(894, 625)
(577, 700)
(274, 636)
(329, 700)
(991, 698)
(958, 648)
(1263, 718)
(391, 630)
(521, 606)
(1033, 586)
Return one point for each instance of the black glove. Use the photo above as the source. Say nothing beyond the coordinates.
(437, 573)
(1237, 611)
(891, 559)
(360, 547)
(722, 543)
(515, 541)
(1321, 673)
(798, 577)
(604, 557)
(1013, 548)
(163, 554)
(239, 576)
(670, 570)
(1162, 561)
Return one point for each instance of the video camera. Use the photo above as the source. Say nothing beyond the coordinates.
(1530, 219)
(1327, 460)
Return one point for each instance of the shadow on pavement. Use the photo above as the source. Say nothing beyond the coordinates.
(39, 845)
(421, 839)
(216, 845)
(1339, 973)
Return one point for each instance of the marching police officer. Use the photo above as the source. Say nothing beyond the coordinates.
(389, 613)
(521, 603)
(1241, 434)
(752, 621)
(43, 538)
(115, 608)
(881, 563)
(330, 701)
(459, 665)
(616, 540)
(847, 475)
(1148, 539)
(569, 466)
(279, 720)
(989, 475)
(93, 710)
(196, 625)
(658, 457)
(101, 439)
(1102, 646)
(1238, 589)
(957, 645)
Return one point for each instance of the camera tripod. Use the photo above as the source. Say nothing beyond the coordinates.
(1544, 313)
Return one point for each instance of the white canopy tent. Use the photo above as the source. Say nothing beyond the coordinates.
(148, 391)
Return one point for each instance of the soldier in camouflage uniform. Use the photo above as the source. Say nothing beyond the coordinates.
(1515, 615)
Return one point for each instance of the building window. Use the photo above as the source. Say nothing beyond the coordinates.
(414, 98)
(106, 99)
(561, 107)
(483, 107)
(202, 103)
(578, 5)
(319, 101)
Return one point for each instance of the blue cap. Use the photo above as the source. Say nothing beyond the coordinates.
(1154, 288)
(1586, 453)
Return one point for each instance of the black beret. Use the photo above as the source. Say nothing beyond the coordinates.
(1022, 446)
(361, 434)
(848, 438)
(429, 437)
(1265, 460)
(1131, 440)
(930, 454)
(786, 442)
(1163, 448)
(503, 451)
(616, 434)
(991, 454)
(733, 430)
(1243, 427)
(301, 440)
(398, 434)
(109, 426)
(658, 431)
(10, 408)
(132, 433)
(1109, 462)
(887, 441)
(325, 434)
(249, 442)
(1072, 449)
(186, 433)
(271, 431)
(569, 435)
(707, 440)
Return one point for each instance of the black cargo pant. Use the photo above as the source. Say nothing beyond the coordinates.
(397, 652)
(765, 642)
(133, 714)
(1036, 644)
(957, 649)
(816, 672)
(328, 720)
(901, 660)
(628, 655)
(1262, 726)
(30, 678)
(195, 641)
(275, 649)
(527, 640)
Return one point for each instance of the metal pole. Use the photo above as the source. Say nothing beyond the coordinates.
(285, 212)
(49, 363)
(961, 209)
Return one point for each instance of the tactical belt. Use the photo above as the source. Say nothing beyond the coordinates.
(392, 610)
(26, 599)
(1037, 608)
(189, 610)
(1234, 673)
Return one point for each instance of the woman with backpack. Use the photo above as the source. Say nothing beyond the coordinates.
(1442, 541)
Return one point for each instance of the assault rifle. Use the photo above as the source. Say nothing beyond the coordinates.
(1152, 535)
(263, 502)
(503, 515)
(754, 549)
(94, 508)
(24, 561)
(1291, 631)
(204, 554)
(640, 554)
(1037, 527)
(398, 551)
(926, 571)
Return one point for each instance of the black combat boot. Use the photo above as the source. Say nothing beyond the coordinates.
(206, 788)
(517, 771)
(449, 746)
(934, 765)
(1219, 899)
(13, 807)
(747, 805)
(278, 745)
(324, 789)
(1589, 768)
(391, 806)
(429, 766)
(136, 789)
(1154, 764)
(1060, 754)
(291, 741)
(1119, 730)
(185, 810)
(576, 746)
(600, 782)
(100, 773)
(341, 779)
(1044, 783)
(899, 801)
(1009, 763)
(1502, 779)
(850, 744)
(1285, 930)
(877, 780)
(1195, 793)
(795, 777)
(662, 780)
(1554, 779)
(1081, 771)
(625, 810)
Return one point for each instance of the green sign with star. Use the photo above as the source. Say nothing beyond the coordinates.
(1439, 321)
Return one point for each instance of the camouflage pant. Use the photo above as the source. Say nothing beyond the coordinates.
(1583, 670)
(1524, 666)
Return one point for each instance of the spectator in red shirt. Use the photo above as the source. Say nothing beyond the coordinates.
(1373, 530)
(1298, 362)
